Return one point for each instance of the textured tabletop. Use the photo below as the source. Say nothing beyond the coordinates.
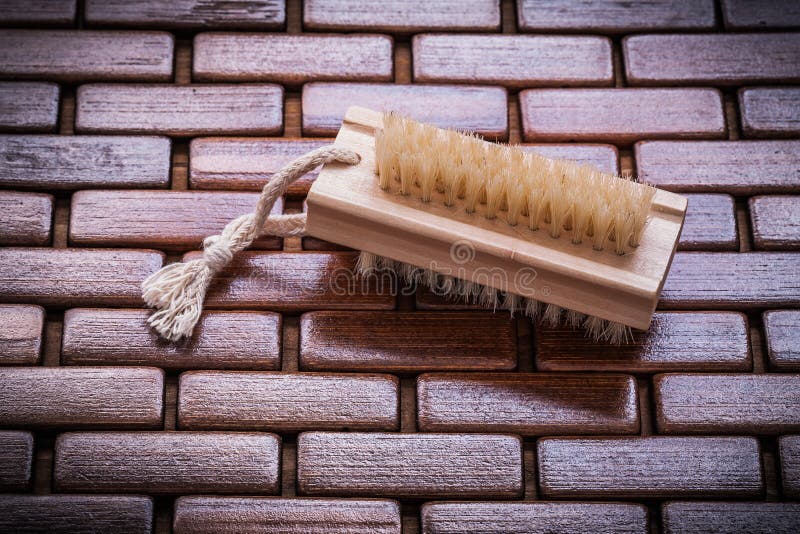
(129, 131)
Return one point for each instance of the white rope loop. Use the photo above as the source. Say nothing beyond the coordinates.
(177, 291)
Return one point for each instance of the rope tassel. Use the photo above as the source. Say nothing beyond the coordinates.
(177, 291)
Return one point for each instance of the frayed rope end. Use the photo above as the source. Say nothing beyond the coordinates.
(177, 292)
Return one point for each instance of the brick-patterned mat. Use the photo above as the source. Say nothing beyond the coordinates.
(130, 130)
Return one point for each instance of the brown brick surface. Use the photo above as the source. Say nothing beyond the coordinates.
(711, 59)
(83, 56)
(88, 397)
(614, 16)
(782, 328)
(100, 513)
(291, 59)
(221, 340)
(179, 110)
(621, 115)
(50, 162)
(37, 12)
(187, 14)
(16, 459)
(516, 61)
(20, 334)
(776, 222)
(28, 107)
(25, 218)
(770, 111)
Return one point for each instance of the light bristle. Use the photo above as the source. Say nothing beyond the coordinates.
(559, 196)
(472, 292)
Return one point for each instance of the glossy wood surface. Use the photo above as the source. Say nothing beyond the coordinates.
(776, 222)
(83, 56)
(621, 116)
(650, 467)
(291, 59)
(180, 111)
(50, 162)
(504, 60)
(167, 462)
(207, 515)
(732, 404)
(221, 340)
(86, 397)
(530, 404)
(715, 59)
(676, 341)
(220, 400)
(25, 218)
(739, 168)
(473, 108)
(402, 16)
(296, 282)
(614, 16)
(75, 277)
(29, 107)
(409, 465)
(247, 164)
(20, 334)
(187, 14)
(168, 220)
(406, 342)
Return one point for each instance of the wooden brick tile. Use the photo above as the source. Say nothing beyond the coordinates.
(770, 112)
(746, 14)
(75, 277)
(711, 59)
(169, 220)
(209, 515)
(402, 16)
(697, 517)
(507, 60)
(604, 157)
(16, 460)
(247, 164)
(68, 162)
(729, 280)
(737, 403)
(221, 340)
(25, 218)
(790, 465)
(167, 462)
(28, 106)
(782, 328)
(86, 397)
(188, 14)
(281, 402)
(531, 404)
(180, 110)
(409, 465)
(776, 222)
(479, 109)
(519, 518)
(736, 167)
(20, 334)
(425, 299)
(407, 342)
(676, 341)
(621, 115)
(614, 16)
(655, 467)
(82, 56)
(37, 12)
(291, 59)
(76, 513)
(296, 282)
(710, 223)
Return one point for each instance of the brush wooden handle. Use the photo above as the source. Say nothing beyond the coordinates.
(347, 206)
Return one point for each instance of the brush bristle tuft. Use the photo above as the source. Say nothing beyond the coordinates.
(489, 297)
(503, 182)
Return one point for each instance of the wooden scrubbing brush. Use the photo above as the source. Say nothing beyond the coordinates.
(470, 219)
